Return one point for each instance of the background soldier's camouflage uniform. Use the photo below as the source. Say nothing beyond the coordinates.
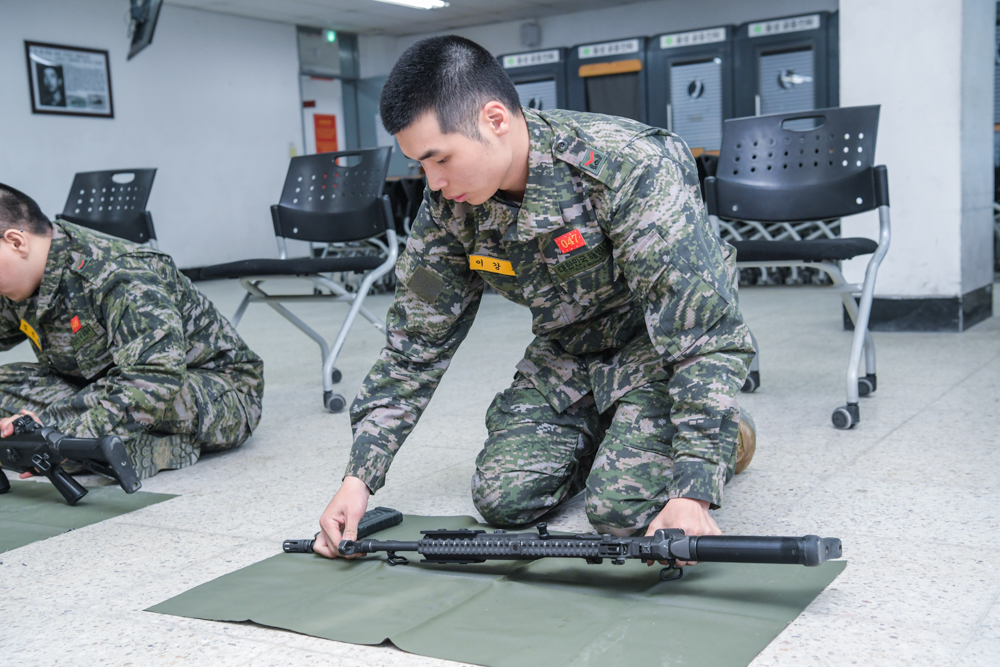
(640, 346)
(150, 359)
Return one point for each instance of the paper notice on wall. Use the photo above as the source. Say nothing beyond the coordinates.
(381, 136)
(326, 132)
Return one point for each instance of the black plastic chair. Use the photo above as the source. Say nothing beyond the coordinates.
(329, 203)
(769, 172)
(113, 202)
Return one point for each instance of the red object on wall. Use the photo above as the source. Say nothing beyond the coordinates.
(326, 132)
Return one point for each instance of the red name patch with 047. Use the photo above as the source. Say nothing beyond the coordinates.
(570, 241)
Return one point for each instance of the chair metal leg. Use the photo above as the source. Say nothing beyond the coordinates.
(339, 290)
(851, 306)
(861, 327)
(254, 288)
(333, 402)
(238, 315)
(356, 306)
(304, 328)
(753, 376)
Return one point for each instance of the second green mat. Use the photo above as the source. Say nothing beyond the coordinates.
(546, 612)
(33, 511)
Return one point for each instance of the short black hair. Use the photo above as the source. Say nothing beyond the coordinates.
(452, 75)
(19, 211)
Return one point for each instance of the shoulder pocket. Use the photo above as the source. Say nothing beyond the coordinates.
(427, 300)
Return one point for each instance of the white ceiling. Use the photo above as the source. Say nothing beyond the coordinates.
(378, 18)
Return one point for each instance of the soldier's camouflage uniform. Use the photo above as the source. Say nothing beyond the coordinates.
(126, 345)
(640, 346)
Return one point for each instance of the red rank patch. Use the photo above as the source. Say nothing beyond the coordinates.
(571, 241)
(75, 324)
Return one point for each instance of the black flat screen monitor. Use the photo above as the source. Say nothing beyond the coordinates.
(144, 15)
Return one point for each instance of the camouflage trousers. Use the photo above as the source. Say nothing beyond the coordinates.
(208, 414)
(535, 458)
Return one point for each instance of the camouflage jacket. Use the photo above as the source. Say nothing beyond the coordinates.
(611, 251)
(111, 308)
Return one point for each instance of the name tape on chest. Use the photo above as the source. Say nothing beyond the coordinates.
(30, 332)
(491, 265)
(579, 263)
(82, 336)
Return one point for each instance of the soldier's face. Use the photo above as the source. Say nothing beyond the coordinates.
(462, 168)
(22, 264)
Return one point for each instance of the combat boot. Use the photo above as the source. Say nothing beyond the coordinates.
(746, 443)
(151, 453)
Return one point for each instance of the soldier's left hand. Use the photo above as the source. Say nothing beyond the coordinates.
(7, 428)
(688, 514)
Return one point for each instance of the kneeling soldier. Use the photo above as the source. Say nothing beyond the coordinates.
(596, 224)
(125, 344)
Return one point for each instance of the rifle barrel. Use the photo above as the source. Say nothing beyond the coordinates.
(808, 550)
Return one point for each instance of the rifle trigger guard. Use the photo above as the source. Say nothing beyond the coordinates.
(393, 559)
(671, 573)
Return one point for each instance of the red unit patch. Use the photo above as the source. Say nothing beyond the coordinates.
(75, 323)
(570, 241)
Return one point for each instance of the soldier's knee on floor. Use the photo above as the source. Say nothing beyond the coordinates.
(622, 518)
(493, 496)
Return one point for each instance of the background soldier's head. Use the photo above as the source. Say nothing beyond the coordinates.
(25, 235)
(453, 108)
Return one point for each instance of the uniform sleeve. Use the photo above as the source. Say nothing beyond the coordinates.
(148, 347)
(676, 266)
(437, 297)
(10, 326)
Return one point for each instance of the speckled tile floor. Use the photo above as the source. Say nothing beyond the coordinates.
(913, 492)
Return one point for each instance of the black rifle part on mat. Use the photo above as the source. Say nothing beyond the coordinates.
(374, 520)
(670, 545)
(40, 450)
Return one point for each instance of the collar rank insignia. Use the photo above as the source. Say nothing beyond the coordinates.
(74, 323)
(592, 161)
(570, 241)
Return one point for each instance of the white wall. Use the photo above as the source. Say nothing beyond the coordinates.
(614, 22)
(929, 63)
(213, 104)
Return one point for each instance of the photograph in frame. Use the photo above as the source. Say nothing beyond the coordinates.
(69, 80)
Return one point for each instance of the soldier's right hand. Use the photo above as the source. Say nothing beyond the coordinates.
(7, 423)
(340, 519)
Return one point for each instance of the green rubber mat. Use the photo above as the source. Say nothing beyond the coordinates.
(547, 612)
(33, 511)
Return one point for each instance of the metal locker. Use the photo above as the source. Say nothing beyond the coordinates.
(539, 77)
(787, 64)
(609, 78)
(689, 81)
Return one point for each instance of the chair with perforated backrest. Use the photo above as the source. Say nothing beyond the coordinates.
(113, 202)
(814, 165)
(329, 198)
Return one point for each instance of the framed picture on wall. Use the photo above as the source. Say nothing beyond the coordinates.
(69, 80)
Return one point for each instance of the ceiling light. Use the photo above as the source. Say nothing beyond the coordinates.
(417, 4)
